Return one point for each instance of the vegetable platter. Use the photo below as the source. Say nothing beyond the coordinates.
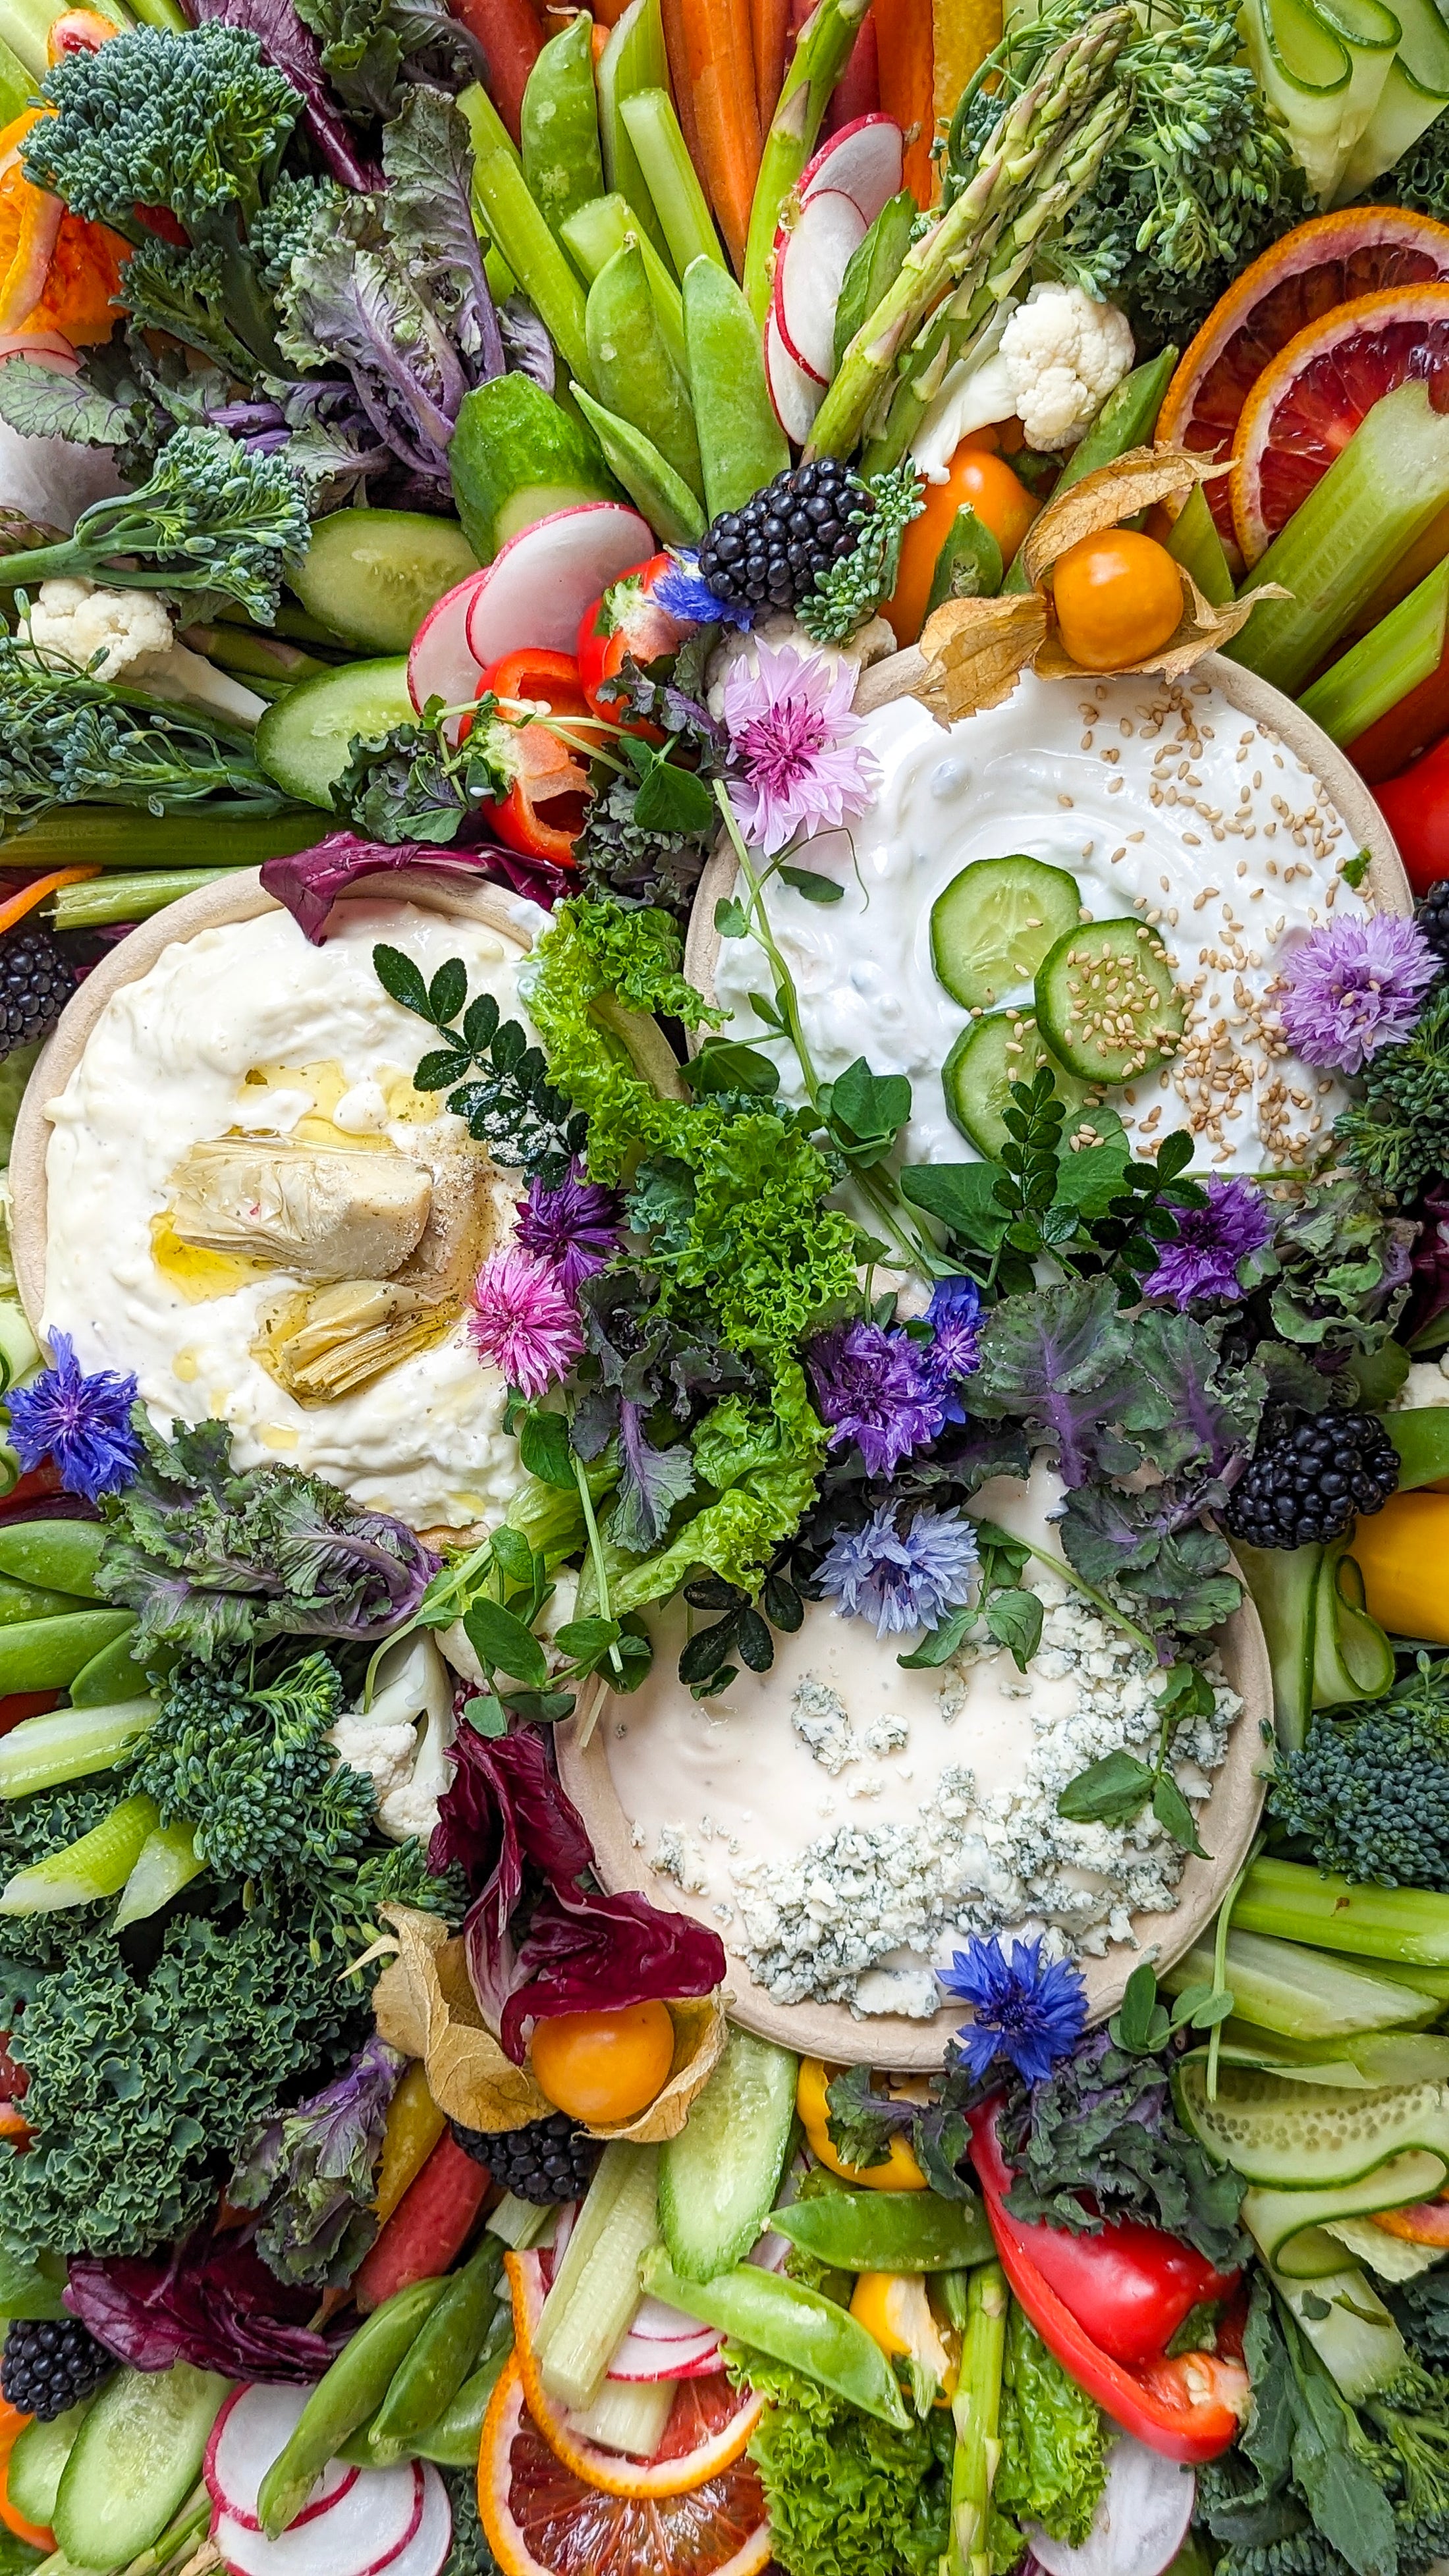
(724, 1295)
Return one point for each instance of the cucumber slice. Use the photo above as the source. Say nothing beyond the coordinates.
(1307, 2137)
(372, 575)
(717, 2179)
(1106, 1002)
(303, 741)
(1284, 2223)
(995, 923)
(41, 2451)
(1350, 2329)
(136, 2458)
(1002, 1048)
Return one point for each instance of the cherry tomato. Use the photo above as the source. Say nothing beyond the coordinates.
(543, 813)
(1000, 500)
(1118, 597)
(604, 2066)
(626, 619)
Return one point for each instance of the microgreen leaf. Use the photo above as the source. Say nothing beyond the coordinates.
(1174, 1815)
(812, 887)
(402, 980)
(503, 1644)
(1113, 1791)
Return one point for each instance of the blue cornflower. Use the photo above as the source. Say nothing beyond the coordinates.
(84, 1423)
(954, 1314)
(684, 593)
(1024, 2011)
(876, 1387)
(901, 1579)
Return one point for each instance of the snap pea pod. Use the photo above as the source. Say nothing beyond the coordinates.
(632, 370)
(559, 125)
(888, 2231)
(742, 445)
(432, 2371)
(969, 565)
(351, 2391)
(96, 1865)
(1126, 420)
(112, 1674)
(873, 268)
(453, 2441)
(649, 479)
(27, 1601)
(605, 225)
(45, 1654)
(56, 1556)
(70, 1744)
(791, 2324)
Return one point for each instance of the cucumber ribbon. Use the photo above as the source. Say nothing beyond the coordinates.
(1355, 81)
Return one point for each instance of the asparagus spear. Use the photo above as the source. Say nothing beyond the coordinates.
(976, 2408)
(955, 253)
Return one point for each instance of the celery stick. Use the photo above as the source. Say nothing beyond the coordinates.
(627, 2415)
(1287, 1898)
(1307, 1995)
(122, 836)
(166, 1862)
(595, 2211)
(1385, 664)
(634, 59)
(679, 200)
(96, 1865)
(591, 237)
(1385, 487)
(98, 901)
(520, 2223)
(514, 224)
(43, 1752)
(976, 2411)
(1429, 1981)
(584, 2317)
(1196, 545)
(821, 52)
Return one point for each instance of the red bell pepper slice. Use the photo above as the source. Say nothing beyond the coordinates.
(1188, 2409)
(1130, 2286)
(550, 774)
(1415, 806)
(626, 618)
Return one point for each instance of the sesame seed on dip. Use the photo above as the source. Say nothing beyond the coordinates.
(1167, 804)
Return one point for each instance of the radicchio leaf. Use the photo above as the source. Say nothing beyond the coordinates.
(1430, 1294)
(293, 49)
(309, 882)
(211, 2302)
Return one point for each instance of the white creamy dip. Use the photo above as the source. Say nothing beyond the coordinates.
(248, 1028)
(1164, 802)
(844, 1824)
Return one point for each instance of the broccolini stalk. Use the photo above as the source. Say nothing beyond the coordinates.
(976, 2409)
(956, 251)
(213, 517)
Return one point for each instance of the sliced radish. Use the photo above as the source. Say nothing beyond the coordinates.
(809, 273)
(646, 2357)
(865, 160)
(796, 396)
(440, 664)
(534, 592)
(1141, 2520)
(428, 2548)
(43, 348)
(253, 2426)
(361, 2533)
(770, 2252)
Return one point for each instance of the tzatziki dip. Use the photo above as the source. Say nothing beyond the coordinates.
(252, 1208)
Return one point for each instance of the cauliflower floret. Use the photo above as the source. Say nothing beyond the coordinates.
(1064, 354)
(385, 1753)
(132, 632)
(408, 1765)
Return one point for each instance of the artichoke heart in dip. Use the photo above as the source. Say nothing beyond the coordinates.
(252, 1208)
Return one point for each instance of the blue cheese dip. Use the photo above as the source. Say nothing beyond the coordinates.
(1164, 802)
(246, 1032)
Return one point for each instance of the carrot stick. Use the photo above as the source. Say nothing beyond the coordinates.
(676, 45)
(511, 38)
(769, 33)
(36, 892)
(722, 77)
(908, 85)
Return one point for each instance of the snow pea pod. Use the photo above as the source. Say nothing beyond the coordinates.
(741, 441)
(45, 1654)
(454, 2439)
(59, 1556)
(111, 1675)
(632, 369)
(27, 1601)
(888, 2231)
(649, 479)
(791, 2324)
(352, 2390)
(559, 125)
(434, 2368)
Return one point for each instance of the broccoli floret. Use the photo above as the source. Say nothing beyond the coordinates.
(294, 211)
(1399, 1132)
(1420, 2310)
(213, 517)
(251, 1769)
(195, 123)
(1369, 1791)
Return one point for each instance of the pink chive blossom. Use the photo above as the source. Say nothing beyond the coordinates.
(524, 1320)
(1353, 987)
(798, 765)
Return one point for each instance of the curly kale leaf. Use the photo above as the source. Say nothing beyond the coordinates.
(250, 1768)
(649, 831)
(1338, 1268)
(1398, 1133)
(413, 784)
(30, 1830)
(1063, 1362)
(1420, 178)
(1420, 2310)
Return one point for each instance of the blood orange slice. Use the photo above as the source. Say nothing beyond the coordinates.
(709, 2422)
(541, 2519)
(1305, 407)
(1324, 264)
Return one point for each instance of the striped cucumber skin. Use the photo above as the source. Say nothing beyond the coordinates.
(1307, 2137)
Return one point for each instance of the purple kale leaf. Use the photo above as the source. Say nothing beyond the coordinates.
(428, 160)
(309, 2171)
(1061, 1361)
(292, 48)
(1193, 1417)
(1153, 1553)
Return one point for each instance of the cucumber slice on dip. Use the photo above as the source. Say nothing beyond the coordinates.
(995, 922)
(1003, 1048)
(1106, 1002)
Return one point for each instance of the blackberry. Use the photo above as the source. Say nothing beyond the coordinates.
(48, 2367)
(768, 554)
(548, 2160)
(36, 982)
(1309, 1477)
(1433, 919)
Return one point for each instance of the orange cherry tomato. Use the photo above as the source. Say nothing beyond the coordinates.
(1118, 596)
(543, 813)
(1000, 500)
(604, 2066)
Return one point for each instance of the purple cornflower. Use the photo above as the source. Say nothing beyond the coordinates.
(83, 1423)
(1023, 2011)
(955, 1313)
(878, 1388)
(575, 1227)
(523, 1321)
(1203, 1259)
(901, 1579)
(798, 764)
(684, 593)
(1353, 987)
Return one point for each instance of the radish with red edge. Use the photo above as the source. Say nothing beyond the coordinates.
(1142, 2518)
(440, 664)
(647, 2364)
(534, 592)
(254, 2425)
(427, 2551)
(866, 160)
(364, 2532)
(810, 267)
(796, 396)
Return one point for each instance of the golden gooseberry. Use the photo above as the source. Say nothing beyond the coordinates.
(1118, 597)
(603, 2066)
(1000, 500)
